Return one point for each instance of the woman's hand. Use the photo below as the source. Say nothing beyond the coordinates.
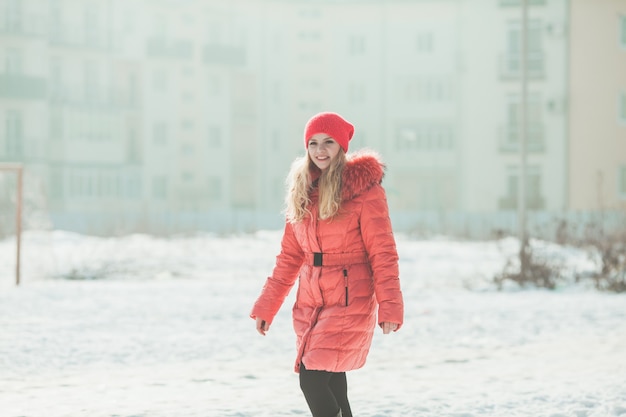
(262, 326)
(388, 327)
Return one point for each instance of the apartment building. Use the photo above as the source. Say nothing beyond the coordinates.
(492, 99)
(23, 84)
(298, 69)
(421, 117)
(597, 111)
(389, 67)
(138, 114)
(200, 108)
(66, 110)
(94, 162)
(430, 86)
(128, 110)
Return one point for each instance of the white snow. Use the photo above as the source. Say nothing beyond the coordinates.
(146, 326)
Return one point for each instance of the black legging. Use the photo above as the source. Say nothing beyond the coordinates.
(325, 392)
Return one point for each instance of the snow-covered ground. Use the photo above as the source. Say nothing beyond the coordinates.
(144, 326)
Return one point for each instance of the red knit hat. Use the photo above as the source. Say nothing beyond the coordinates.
(331, 124)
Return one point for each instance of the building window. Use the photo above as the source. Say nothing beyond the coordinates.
(309, 106)
(187, 149)
(356, 93)
(91, 77)
(55, 84)
(621, 182)
(214, 31)
(129, 22)
(187, 96)
(425, 137)
(56, 124)
(518, 2)
(622, 32)
(215, 137)
(534, 199)
(159, 26)
(160, 80)
(214, 85)
(134, 152)
(425, 89)
(510, 136)
(13, 17)
(214, 188)
(309, 36)
(54, 23)
(133, 188)
(309, 13)
(133, 90)
(511, 62)
(187, 71)
(159, 134)
(91, 25)
(81, 184)
(105, 184)
(13, 61)
(159, 188)
(356, 45)
(275, 89)
(14, 134)
(424, 43)
(56, 183)
(73, 185)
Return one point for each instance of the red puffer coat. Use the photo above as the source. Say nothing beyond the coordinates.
(347, 266)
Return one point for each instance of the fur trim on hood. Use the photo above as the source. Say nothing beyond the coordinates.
(363, 170)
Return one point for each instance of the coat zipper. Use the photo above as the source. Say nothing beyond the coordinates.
(345, 282)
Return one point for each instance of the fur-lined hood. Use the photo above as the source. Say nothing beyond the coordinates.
(363, 170)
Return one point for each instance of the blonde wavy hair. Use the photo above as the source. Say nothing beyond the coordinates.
(300, 183)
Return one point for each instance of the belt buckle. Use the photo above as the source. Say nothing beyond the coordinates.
(317, 258)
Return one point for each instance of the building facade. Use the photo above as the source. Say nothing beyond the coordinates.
(165, 116)
(597, 111)
(492, 102)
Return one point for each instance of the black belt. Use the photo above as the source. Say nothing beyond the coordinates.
(336, 259)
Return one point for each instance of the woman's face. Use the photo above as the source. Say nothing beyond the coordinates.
(322, 150)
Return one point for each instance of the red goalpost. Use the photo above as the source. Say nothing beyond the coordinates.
(18, 169)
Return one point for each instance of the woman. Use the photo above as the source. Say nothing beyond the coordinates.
(339, 242)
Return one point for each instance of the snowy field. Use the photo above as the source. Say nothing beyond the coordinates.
(151, 327)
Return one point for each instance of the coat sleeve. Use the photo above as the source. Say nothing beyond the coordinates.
(278, 285)
(380, 245)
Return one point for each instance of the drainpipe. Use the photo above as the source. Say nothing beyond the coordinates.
(521, 200)
(566, 109)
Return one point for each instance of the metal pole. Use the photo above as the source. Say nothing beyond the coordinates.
(18, 223)
(521, 203)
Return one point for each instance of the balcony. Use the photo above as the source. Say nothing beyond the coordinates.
(511, 65)
(65, 36)
(510, 137)
(29, 25)
(20, 148)
(169, 49)
(507, 3)
(22, 87)
(103, 98)
(224, 55)
(532, 203)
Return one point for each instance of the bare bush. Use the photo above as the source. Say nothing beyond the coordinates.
(610, 250)
(607, 249)
(528, 268)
